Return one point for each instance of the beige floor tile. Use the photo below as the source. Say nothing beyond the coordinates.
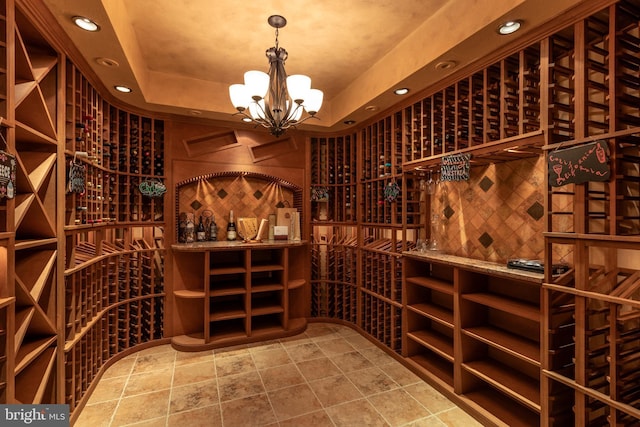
(356, 413)
(235, 350)
(352, 361)
(295, 340)
(456, 417)
(142, 407)
(293, 401)
(432, 421)
(270, 358)
(314, 419)
(192, 396)
(98, 415)
(336, 346)
(329, 366)
(120, 368)
(164, 348)
(154, 362)
(249, 411)
(155, 422)
(193, 373)
(306, 351)
(187, 357)
(318, 368)
(237, 364)
(148, 382)
(398, 407)
(108, 389)
(430, 398)
(400, 374)
(358, 341)
(281, 376)
(319, 331)
(208, 416)
(335, 390)
(371, 381)
(257, 347)
(377, 356)
(238, 386)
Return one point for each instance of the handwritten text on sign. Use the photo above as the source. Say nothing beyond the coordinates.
(152, 188)
(588, 162)
(455, 167)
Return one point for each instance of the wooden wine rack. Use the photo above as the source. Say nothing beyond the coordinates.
(114, 281)
(119, 150)
(114, 299)
(333, 168)
(574, 86)
(334, 266)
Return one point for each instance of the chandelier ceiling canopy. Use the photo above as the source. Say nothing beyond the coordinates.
(273, 100)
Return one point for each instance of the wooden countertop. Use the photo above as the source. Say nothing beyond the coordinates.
(235, 245)
(477, 265)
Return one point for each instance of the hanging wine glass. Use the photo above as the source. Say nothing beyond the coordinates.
(430, 184)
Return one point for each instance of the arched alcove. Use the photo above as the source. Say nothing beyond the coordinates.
(248, 194)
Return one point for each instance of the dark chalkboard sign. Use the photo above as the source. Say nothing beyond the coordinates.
(584, 163)
(455, 167)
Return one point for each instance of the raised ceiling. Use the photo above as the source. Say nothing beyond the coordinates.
(181, 56)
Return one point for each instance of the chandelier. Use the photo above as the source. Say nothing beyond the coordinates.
(274, 100)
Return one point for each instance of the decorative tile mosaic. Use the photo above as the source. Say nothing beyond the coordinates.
(495, 216)
(246, 196)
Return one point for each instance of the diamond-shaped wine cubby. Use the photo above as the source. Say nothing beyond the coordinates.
(34, 221)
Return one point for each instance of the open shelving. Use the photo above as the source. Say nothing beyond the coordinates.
(473, 329)
(233, 293)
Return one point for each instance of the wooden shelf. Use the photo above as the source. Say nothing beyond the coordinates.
(511, 382)
(434, 312)
(188, 294)
(439, 344)
(507, 342)
(432, 283)
(512, 306)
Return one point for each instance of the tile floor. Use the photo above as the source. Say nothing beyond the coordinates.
(328, 376)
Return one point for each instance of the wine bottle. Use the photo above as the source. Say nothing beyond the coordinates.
(201, 235)
(213, 229)
(231, 228)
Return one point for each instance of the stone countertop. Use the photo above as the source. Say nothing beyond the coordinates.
(476, 265)
(236, 244)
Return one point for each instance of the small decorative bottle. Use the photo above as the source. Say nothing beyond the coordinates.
(190, 230)
(231, 228)
(201, 234)
(213, 229)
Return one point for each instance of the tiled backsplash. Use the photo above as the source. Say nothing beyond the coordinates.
(495, 216)
(247, 196)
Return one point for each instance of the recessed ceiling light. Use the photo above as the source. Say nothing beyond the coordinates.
(349, 122)
(509, 27)
(446, 65)
(401, 91)
(85, 23)
(108, 62)
(371, 108)
(123, 89)
(195, 112)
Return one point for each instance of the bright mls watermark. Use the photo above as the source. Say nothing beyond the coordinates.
(34, 415)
